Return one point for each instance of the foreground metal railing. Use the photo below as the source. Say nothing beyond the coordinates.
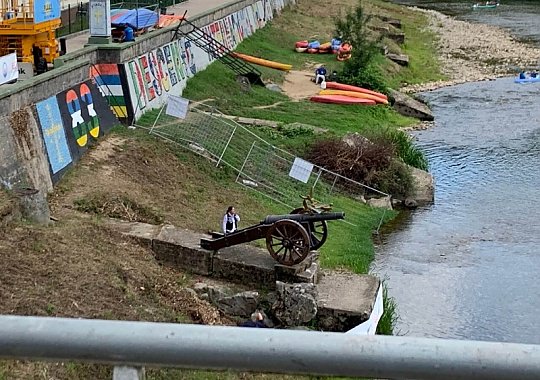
(140, 344)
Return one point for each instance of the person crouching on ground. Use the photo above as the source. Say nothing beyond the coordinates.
(320, 75)
(230, 221)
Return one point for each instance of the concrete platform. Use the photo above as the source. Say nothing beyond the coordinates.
(345, 300)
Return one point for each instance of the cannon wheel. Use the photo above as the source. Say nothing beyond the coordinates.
(318, 231)
(288, 242)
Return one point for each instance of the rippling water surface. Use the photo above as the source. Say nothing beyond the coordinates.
(469, 266)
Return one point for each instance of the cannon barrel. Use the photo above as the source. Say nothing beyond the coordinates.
(270, 219)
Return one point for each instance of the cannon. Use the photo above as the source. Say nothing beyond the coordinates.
(289, 238)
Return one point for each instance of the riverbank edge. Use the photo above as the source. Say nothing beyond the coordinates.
(465, 58)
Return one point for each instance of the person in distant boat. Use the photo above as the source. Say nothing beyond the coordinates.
(522, 75)
(320, 75)
(230, 221)
(534, 74)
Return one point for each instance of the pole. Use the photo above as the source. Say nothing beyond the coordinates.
(263, 350)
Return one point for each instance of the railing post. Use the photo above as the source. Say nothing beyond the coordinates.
(128, 373)
(69, 18)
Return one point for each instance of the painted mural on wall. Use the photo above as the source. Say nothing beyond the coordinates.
(108, 79)
(165, 70)
(54, 134)
(70, 122)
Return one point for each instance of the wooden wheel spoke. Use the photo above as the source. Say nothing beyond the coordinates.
(288, 241)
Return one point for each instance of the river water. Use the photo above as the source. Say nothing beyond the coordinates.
(468, 267)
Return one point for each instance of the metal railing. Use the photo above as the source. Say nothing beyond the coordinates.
(139, 344)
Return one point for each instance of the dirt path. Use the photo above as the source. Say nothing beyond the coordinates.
(298, 85)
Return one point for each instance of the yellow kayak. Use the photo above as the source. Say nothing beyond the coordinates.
(355, 94)
(263, 62)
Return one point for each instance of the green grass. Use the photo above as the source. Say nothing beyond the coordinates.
(420, 46)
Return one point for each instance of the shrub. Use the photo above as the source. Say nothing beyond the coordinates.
(360, 69)
(406, 149)
(371, 162)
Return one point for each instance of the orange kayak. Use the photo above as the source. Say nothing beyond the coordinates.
(354, 94)
(263, 62)
(348, 87)
(340, 99)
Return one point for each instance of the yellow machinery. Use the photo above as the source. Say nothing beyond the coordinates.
(28, 23)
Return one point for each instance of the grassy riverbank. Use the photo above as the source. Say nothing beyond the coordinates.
(67, 270)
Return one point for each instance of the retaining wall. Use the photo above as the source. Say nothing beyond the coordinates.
(48, 122)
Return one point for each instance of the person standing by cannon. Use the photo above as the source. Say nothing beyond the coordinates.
(230, 221)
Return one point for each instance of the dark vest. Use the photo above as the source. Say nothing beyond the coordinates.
(231, 222)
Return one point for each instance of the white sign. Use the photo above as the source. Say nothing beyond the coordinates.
(100, 18)
(9, 71)
(301, 170)
(177, 106)
(26, 70)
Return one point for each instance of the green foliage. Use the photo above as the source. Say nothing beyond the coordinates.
(390, 316)
(360, 69)
(395, 179)
(406, 149)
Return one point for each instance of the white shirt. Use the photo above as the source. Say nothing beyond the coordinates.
(234, 219)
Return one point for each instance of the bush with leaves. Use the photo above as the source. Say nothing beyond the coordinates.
(360, 69)
(371, 162)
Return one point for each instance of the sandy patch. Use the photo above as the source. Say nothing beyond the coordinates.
(298, 85)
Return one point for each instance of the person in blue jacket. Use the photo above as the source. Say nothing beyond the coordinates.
(522, 75)
(320, 75)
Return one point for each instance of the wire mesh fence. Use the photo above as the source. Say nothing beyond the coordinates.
(259, 165)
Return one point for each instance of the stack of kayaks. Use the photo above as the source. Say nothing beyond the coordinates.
(263, 62)
(343, 51)
(339, 93)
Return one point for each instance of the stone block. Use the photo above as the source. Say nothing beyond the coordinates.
(397, 37)
(180, 248)
(296, 273)
(246, 265)
(345, 300)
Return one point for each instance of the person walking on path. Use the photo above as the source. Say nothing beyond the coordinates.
(230, 221)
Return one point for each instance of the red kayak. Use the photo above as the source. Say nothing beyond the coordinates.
(341, 99)
(348, 87)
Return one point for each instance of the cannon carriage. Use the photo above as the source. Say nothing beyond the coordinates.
(289, 238)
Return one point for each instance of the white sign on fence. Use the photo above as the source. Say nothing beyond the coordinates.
(177, 106)
(9, 71)
(301, 170)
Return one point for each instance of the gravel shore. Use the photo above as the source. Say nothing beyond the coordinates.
(471, 52)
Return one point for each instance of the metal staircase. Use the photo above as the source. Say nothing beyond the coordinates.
(217, 50)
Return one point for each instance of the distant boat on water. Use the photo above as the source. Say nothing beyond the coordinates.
(486, 5)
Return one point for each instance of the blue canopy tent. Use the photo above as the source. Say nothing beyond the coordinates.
(137, 19)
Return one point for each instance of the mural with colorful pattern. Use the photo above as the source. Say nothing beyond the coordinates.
(165, 70)
(108, 78)
(70, 122)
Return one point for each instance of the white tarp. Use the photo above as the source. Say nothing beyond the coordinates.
(177, 106)
(9, 71)
(369, 327)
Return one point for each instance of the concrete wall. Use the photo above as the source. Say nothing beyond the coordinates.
(47, 122)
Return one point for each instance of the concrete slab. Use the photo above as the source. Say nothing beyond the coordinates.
(245, 264)
(345, 299)
(143, 233)
(180, 248)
